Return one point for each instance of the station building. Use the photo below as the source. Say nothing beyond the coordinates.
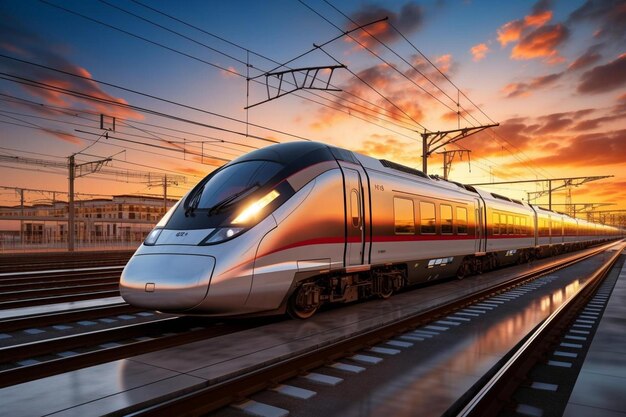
(121, 221)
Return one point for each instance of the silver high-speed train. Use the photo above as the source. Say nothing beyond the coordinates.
(296, 225)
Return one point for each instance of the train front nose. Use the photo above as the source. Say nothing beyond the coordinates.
(167, 282)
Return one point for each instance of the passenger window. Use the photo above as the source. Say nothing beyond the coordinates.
(404, 216)
(446, 219)
(496, 224)
(518, 230)
(461, 219)
(355, 209)
(509, 224)
(428, 220)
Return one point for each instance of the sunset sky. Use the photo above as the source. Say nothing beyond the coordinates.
(552, 73)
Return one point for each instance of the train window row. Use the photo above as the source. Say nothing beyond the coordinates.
(510, 224)
(404, 218)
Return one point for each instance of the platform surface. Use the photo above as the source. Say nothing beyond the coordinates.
(600, 389)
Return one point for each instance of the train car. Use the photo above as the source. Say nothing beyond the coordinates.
(297, 225)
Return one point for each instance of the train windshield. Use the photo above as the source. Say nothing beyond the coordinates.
(232, 183)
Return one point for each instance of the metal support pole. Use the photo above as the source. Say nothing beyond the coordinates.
(165, 194)
(22, 214)
(445, 165)
(549, 194)
(425, 153)
(70, 206)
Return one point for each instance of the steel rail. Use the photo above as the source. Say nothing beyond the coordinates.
(497, 391)
(42, 320)
(212, 397)
(59, 290)
(57, 299)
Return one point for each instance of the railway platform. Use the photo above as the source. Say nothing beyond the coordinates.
(600, 389)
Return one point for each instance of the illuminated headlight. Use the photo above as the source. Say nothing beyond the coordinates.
(222, 233)
(254, 208)
(153, 236)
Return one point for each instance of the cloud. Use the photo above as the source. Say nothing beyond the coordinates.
(194, 171)
(590, 57)
(229, 72)
(20, 43)
(67, 137)
(408, 20)
(554, 123)
(512, 31)
(371, 106)
(524, 89)
(479, 51)
(594, 149)
(609, 15)
(388, 147)
(539, 19)
(533, 37)
(604, 78)
(541, 43)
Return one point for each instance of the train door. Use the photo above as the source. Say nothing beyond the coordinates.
(355, 230)
(480, 245)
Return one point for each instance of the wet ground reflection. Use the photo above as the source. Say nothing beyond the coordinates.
(446, 366)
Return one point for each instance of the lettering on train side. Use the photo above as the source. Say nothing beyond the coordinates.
(379, 187)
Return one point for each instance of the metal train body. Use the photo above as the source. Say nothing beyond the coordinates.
(296, 225)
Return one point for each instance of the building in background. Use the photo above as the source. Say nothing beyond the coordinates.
(122, 221)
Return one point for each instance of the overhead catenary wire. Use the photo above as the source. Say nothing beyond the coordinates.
(249, 51)
(527, 163)
(349, 110)
(74, 112)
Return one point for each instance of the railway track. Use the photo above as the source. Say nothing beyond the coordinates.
(59, 260)
(13, 324)
(548, 342)
(33, 360)
(30, 288)
(234, 390)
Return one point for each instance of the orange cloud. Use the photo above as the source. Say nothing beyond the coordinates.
(524, 89)
(538, 19)
(388, 147)
(444, 63)
(67, 137)
(80, 88)
(594, 149)
(510, 32)
(479, 51)
(541, 43)
(230, 72)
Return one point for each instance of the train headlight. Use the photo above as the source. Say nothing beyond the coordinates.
(254, 208)
(153, 236)
(222, 233)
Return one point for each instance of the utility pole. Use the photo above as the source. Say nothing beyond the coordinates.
(165, 193)
(22, 214)
(75, 171)
(70, 205)
(432, 141)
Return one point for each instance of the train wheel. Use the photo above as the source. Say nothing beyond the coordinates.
(464, 270)
(386, 288)
(304, 303)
